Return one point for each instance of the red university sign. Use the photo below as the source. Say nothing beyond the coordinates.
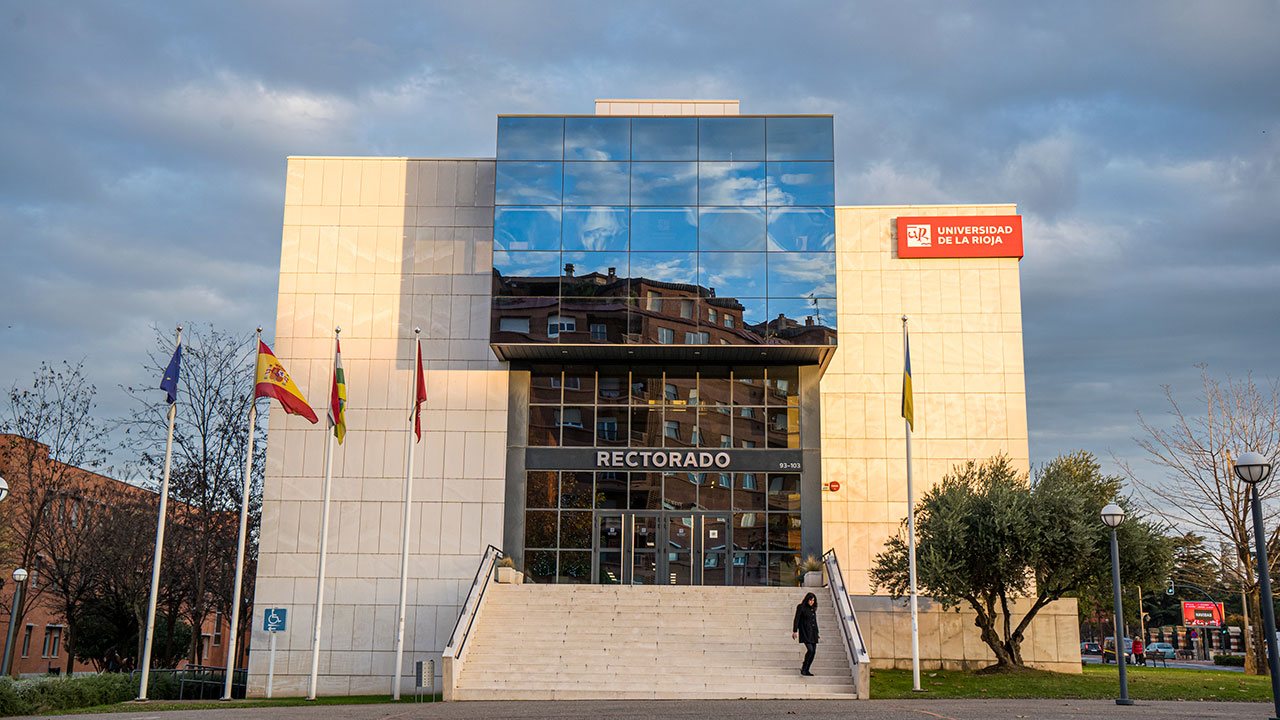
(960, 236)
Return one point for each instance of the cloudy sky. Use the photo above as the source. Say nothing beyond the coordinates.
(143, 145)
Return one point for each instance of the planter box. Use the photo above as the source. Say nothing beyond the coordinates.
(510, 576)
(813, 579)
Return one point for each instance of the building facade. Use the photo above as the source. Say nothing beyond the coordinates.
(656, 352)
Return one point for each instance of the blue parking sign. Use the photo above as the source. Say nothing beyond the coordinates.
(274, 620)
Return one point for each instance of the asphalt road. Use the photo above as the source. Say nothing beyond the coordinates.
(1194, 665)
(727, 709)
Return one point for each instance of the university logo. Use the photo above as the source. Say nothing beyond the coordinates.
(918, 236)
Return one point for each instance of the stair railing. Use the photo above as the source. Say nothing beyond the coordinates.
(451, 663)
(854, 646)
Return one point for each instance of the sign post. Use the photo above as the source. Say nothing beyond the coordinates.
(274, 620)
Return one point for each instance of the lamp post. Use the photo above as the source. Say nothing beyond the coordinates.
(1253, 468)
(19, 577)
(1112, 516)
(4, 489)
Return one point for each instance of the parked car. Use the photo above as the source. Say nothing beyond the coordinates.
(1166, 648)
(1109, 651)
(1090, 648)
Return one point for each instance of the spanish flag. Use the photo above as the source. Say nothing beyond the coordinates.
(274, 382)
(908, 402)
(338, 396)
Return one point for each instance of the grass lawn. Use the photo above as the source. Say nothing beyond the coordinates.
(1097, 682)
(250, 703)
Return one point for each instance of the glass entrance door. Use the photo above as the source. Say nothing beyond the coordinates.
(661, 547)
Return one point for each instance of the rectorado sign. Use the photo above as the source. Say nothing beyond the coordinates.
(727, 460)
(960, 236)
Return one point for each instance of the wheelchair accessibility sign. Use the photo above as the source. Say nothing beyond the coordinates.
(274, 620)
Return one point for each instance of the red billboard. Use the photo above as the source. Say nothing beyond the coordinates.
(969, 236)
(1202, 614)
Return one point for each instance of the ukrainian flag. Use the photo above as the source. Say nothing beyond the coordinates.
(908, 402)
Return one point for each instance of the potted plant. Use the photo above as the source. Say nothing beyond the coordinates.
(811, 572)
(507, 572)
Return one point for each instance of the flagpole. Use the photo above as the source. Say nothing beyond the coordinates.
(404, 539)
(324, 539)
(155, 561)
(911, 540)
(244, 524)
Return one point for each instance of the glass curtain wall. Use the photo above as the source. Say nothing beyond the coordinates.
(653, 230)
(637, 406)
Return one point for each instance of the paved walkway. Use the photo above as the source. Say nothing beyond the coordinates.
(730, 709)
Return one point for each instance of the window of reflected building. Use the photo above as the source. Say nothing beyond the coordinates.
(730, 218)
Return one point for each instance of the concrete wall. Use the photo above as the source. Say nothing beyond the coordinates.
(966, 370)
(950, 641)
(378, 246)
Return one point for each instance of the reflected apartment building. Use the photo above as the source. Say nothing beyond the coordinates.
(656, 352)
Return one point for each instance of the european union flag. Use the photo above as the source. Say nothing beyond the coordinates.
(170, 382)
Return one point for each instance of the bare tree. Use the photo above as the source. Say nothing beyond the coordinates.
(53, 434)
(210, 437)
(1198, 489)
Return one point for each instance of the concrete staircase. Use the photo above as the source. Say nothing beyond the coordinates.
(561, 642)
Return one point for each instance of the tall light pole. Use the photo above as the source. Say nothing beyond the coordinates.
(20, 578)
(1253, 468)
(1112, 516)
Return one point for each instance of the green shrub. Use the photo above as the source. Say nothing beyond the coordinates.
(10, 703)
(1231, 660)
(47, 694)
(160, 686)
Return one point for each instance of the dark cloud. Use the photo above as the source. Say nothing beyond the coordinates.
(142, 150)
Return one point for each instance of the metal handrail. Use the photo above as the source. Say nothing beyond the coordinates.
(474, 596)
(855, 647)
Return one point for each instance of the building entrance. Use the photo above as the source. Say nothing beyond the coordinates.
(662, 547)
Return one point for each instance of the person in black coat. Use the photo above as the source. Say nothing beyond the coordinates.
(805, 629)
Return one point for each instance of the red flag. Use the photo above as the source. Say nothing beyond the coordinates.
(419, 396)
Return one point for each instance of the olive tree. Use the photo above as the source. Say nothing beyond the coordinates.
(988, 535)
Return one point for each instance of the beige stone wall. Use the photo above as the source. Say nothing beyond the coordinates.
(378, 246)
(966, 369)
(666, 107)
(950, 641)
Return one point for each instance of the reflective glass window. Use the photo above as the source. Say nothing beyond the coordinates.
(664, 138)
(593, 273)
(611, 426)
(800, 138)
(596, 183)
(579, 384)
(611, 491)
(611, 386)
(749, 530)
(815, 319)
(731, 183)
(544, 427)
(646, 426)
(545, 384)
(526, 228)
(528, 183)
(540, 489)
(646, 490)
(808, 229)
(732, 275)
(671, 267)
(540, 529)
(802, 274)
(600, 319)
(801, 183)
(539, 565)
(543, 267)
(784, 386)
(595, 228)
(664, 183)
(597, 138)
(530, 138)
(731, 229)
(575, 532)
(731, 138)
(664, 228)
(575, 489)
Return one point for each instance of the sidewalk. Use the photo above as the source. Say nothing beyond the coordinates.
(728, 709)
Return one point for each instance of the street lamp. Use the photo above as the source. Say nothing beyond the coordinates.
(1112, 516)
(4, 489)
(19, 577)
(1253, 468)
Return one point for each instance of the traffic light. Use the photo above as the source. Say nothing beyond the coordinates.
(1168, 587)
